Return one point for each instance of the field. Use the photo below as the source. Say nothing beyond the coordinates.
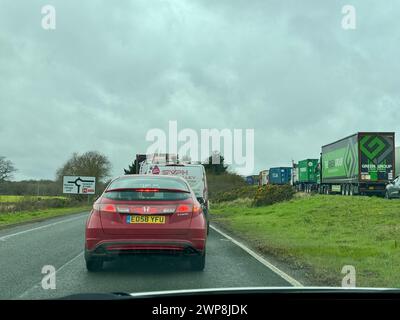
(320, 234)
(20, 209)
(12, 199)
(7, 219)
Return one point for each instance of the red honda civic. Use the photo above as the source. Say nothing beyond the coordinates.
(146, 214)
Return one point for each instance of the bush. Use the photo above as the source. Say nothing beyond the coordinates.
(238, 193)
(226, 182)
(270, 194)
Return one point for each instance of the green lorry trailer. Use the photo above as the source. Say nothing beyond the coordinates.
(362, 163)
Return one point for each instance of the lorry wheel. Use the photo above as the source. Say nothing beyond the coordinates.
(387, 196)
(351, 190)
(343, 186)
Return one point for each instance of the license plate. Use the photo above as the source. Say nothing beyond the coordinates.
(145, 219)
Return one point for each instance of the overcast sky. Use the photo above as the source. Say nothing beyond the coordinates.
(112, 70)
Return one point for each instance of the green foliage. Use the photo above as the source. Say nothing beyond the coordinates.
(246, 192)
(270, 194)
(218, 184)
(215, 164)
(132, 168)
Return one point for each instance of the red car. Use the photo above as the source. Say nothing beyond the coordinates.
(146, 214)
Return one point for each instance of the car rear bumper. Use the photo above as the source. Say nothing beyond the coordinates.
(110, 249)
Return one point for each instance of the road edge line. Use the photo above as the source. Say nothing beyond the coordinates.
(260, 259)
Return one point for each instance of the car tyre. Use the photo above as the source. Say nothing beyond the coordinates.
(94, 265)
(198, 262)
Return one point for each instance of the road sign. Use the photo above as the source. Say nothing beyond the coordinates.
(79, 185)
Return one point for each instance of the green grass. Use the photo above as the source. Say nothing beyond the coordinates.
(12, 199)
(320, 234)
(7, 219)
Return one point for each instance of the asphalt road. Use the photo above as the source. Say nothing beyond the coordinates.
(24, 250)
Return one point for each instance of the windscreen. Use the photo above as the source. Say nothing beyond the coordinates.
(265, 125)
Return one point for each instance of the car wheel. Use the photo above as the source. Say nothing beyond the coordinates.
(94, 265)
(198, 262)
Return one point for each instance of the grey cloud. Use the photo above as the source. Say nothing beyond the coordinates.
(113, 70)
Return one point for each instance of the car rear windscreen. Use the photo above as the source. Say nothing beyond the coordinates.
(147, 183)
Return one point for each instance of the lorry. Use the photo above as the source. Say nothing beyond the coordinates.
(307, 175)
(263, 177)
(363, 163)
(280, 175)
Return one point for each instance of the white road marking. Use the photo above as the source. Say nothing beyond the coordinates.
(37, 285)
(38, 228)
(260, 259)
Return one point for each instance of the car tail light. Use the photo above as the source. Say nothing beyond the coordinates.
(105, 207)
(183, 208)
(196, 210)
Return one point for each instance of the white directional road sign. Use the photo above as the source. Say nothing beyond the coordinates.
(79, 185)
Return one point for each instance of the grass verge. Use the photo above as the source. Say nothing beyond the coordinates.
(321, 234)
(9, 199)
(9, 219)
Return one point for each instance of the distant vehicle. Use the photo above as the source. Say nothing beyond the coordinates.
(307, 174)
(281, 175)
(362, 163)
(263, 178)
(393, 189)
(249, 180)
(194, 174)
(146, 214)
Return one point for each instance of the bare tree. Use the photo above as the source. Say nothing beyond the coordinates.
(6, 169)
(91, 163)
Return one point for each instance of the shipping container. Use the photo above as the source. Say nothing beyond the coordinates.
(281, 175)
(308, 170)
(362, 163)
(307, 175)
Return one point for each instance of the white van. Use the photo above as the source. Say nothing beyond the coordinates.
(194, 174)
